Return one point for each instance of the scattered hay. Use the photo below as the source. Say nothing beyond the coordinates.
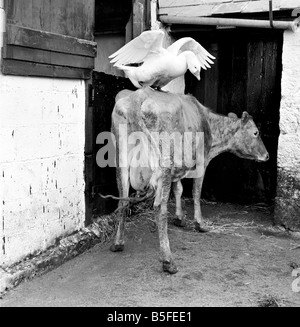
(104, 227)
(229, 227)
(144, 211)
(203, 201)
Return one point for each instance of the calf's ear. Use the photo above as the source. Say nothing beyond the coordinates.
(245, 117)
(232, 115)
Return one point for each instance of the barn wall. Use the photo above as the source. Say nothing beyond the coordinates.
(287, 209)
(41, 162)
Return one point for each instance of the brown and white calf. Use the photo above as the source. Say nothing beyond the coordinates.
(149, 111)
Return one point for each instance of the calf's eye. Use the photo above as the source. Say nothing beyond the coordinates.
(256, 133)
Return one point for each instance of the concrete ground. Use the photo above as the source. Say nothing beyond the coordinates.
(243, 261)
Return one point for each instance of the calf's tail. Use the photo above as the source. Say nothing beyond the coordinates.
(149, 194)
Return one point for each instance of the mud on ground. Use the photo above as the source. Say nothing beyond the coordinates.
(243, 261)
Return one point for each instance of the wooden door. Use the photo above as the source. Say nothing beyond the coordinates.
(49, 38)
(246, 76)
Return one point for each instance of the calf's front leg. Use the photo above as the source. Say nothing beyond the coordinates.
(199, 223)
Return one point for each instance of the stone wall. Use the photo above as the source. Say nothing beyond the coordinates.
(287, 209)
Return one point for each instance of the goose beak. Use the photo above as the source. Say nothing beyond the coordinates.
(197, 75)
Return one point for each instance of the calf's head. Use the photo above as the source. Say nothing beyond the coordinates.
(247, 142)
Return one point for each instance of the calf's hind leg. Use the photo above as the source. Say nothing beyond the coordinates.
(162, 225)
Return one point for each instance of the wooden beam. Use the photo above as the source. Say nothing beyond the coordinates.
(25, 68)
(47, 57)
(27, 37)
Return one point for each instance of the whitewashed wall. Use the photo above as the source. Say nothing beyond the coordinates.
(288, 188)
(42, 140)
(289, 144)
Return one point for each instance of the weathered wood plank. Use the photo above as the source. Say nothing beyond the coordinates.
(139, 17)
(41, 33)
(72, 17)
(268, 113)
(233, 7)
(67, 17)
(31, 38)
(259, 6)
(272, 68)
(189, 11)
(45, 20)
(24, 68)
(19, 12)
(58, 13)
(90, 9)
(183, 3)
(192, 8)
(252, 5)
(225, 55)
(36, 17)
(254, 74)
(47, 57)
(239, 77)
(212, 79)
(9, 7)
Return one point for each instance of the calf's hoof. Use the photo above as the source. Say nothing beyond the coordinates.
(169, 267)
(201, 229)
(116, 247)
(179, 222)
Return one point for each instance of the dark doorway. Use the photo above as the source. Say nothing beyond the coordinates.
(111, 17)
(246, 76)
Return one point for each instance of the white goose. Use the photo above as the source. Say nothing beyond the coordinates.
(156, 66)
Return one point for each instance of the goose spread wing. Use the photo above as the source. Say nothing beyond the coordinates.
(189, 44)
(138, 48)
